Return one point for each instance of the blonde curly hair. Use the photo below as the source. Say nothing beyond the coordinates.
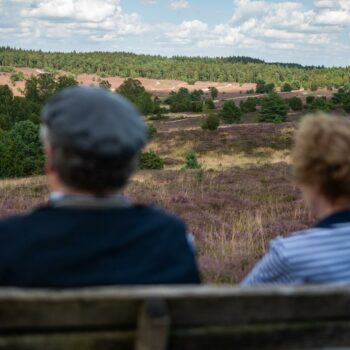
(321, 155)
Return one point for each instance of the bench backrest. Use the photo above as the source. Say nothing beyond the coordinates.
(175, 318)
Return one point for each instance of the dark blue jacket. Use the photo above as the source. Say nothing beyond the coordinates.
(76, 247)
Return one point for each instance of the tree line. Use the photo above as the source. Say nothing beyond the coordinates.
(191, 69)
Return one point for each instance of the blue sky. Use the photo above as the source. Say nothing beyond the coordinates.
(306, 32)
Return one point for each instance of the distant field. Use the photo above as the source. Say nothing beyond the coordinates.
(157, 87)
(240, 200)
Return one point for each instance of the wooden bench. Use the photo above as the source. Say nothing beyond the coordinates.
(203, 318)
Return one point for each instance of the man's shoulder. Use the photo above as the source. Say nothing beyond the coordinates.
(22, 219)
(134, 212)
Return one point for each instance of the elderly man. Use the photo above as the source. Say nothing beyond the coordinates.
(89, 235)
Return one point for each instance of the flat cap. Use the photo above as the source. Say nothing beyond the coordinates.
(94, 120)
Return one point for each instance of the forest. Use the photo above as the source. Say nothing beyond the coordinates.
(190, 69)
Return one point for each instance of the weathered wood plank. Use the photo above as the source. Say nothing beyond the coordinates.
(153, 326)
(293, 336)
(117, 308)
(70, 341)
(290, 336)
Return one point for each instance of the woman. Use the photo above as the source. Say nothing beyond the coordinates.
(321, 158)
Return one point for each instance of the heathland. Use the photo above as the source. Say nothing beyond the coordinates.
(220, 143)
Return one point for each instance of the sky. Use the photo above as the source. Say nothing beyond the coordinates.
(309, 32)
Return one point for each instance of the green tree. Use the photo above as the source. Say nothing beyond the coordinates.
(40, 88)
(209, 104)
(296, 85)
(105, 84)
(214, 92)
(212, 122)
(320, 104)
(249, 105)
(273, 109)
(21, 151)
(65, 81)
(346, 104)
(295, 103)
(133, 90)
(263, 88)
(230, 113)
(310, 99)
(286, 87)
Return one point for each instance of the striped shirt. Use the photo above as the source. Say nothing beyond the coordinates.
(315, 256)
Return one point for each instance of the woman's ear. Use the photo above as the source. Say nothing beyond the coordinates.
(315, 200)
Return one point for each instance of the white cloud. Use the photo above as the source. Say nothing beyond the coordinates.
(179, 4)
(187, 31)
(81, 10)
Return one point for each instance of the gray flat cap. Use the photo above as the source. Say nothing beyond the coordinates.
(94, 120)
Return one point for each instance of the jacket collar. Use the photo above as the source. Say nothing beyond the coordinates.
(59, 200)
(340, 217)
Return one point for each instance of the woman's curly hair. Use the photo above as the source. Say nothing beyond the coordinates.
(321, 155)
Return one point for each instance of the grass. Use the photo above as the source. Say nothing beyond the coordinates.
(242, 198)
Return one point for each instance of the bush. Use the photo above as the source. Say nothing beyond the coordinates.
(263, 88)
(152, 130)
(286, 87)
(313, 87)
(320, 104)
(192, 160)
(209, 104)
(17, 76)
(249, 105)
(211, 123)
(105, 84)
(230, 113)
(150, 161)
(346, 105)
(296, 85)
(296, 104)
(310, 99)
(7, 69)
(184, 101)
(273, 109)
(214, 92)
(21, 151)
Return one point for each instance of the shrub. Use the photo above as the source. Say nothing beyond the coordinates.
(296, 85)
(286, 87)
(263, 88)
(17, 76)
(310, 99)
(214, 92)
(273, 109)
(320, 104)
(209, 104)
(152, 130)
(249, 105)
(313, 87)
(230, 113)
(192, 160)
(211, 123)
(21, 151)
(150, 161)
(346, 105)
(6, 69)
(105, 84)
(296, 104)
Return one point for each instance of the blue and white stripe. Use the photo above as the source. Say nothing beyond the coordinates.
(316, 256)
